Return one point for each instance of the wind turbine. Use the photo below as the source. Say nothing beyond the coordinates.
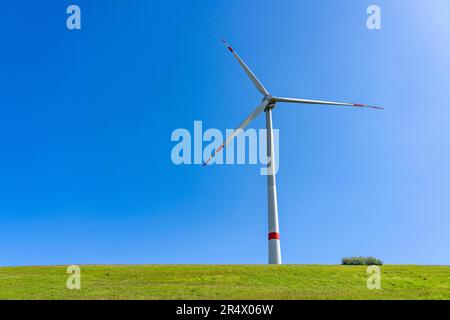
(268, 103)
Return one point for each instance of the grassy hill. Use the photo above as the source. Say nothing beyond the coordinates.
(225, 282)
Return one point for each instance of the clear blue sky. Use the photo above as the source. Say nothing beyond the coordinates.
(86, 118)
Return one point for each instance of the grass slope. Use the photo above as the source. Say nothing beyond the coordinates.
(225, 282)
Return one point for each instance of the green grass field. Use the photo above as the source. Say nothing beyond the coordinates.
(225, 282)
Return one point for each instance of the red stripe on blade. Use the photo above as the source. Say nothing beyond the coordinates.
(206, 162)
(274, 236)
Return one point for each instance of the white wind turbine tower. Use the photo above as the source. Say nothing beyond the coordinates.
(268, 103)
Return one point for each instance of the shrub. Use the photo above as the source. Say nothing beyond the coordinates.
(361, 261)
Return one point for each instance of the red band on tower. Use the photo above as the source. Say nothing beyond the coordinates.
(274, 236)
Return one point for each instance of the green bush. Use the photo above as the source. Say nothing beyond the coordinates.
(361, 261)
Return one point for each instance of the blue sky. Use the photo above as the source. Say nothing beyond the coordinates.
(86, 118)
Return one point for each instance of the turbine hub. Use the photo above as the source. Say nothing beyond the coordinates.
(271, 101)
(269, 98)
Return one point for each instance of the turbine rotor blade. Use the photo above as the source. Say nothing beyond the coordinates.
(247, 70)
(329, 103)
(236, 131)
